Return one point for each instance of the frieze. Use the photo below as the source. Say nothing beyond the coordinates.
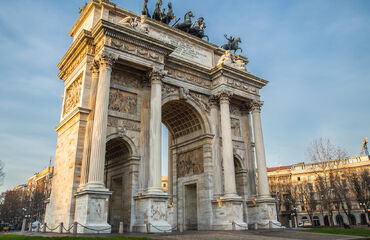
(124, 123)
(72, 96)
(131, 48)
(235, 127)
(125, 79)
(177, 74)
(121, 101)
(190, 163)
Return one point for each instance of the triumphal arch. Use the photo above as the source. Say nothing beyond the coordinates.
(125, 74)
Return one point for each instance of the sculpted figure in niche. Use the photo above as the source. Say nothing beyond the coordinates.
(235, 127)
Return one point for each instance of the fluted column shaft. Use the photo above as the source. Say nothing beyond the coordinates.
(215, 129)
(263, 186)
(155, 158)
(227, 146)
(98, 144)
(90, 123)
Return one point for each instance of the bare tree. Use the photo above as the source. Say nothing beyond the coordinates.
(2, 173)
(307, 198)
(324, 153)
(359, 182)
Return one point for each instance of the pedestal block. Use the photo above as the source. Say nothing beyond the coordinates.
(228, 214)
(262, 212)
(92, 211)
(151, 213)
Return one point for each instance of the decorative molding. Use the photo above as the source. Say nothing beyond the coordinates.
(124, 124)
(183, 76)
(201, 100)
(169, 90)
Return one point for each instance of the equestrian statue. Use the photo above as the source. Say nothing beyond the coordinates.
(233, 44)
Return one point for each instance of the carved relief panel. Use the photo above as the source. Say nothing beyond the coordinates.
(121, 101)
(72, 96)
(125, 79)
(235, 127)
(190, 163)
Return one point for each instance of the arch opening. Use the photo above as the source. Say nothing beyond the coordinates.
(117, 180)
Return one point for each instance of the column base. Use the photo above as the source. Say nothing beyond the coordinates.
(92, 211)
(151, 213)
(228, 213)
(262, 212)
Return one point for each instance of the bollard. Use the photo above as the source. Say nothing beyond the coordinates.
(75, 228)
(61, 228)
(270, 224)
(30, 227)
(255, 226)
(38, 227)
(147, 228)
(181, 227)
(290, 224)
(120, 231)
(23, 225)
(44, 228)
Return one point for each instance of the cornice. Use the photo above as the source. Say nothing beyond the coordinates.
(81, 19)
(238, 75)
(84, 39)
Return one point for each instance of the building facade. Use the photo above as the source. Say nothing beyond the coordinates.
(303, 197)
(123, 78)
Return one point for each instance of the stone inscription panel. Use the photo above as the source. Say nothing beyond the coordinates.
(121, 101)
(190, 163)
(186, 49)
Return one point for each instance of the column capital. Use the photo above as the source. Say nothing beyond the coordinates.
(157, 75)
(246, 108)
(106, 59)
(256, 106)
(213, 101)
(94, 66)
(224, 95)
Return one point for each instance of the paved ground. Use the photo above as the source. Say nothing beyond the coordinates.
(230, 235)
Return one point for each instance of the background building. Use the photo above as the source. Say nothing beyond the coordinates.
(322, 194)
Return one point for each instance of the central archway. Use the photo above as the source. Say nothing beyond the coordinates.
(187, 148)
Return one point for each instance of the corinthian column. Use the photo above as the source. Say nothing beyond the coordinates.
(227, 145)
(155, 163)
(98, 144)
(263, 186)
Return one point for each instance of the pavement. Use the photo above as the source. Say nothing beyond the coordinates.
(222, 235)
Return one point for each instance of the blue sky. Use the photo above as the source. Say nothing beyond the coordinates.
(316, 55)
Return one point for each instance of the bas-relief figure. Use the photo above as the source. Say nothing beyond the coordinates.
(142, 80)
(72, 96)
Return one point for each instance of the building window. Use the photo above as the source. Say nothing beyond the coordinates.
(164, 185)
(299, 178)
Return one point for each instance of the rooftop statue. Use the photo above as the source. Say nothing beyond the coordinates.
(197, 29)
(145, 10)
(157, 11)
(185, 26)
(82, 8)
(169, 16)
(232, 44)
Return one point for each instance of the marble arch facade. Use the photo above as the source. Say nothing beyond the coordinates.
(121, 82)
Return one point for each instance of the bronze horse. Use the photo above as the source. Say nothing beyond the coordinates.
(145, 10)
(157, 11)
(233, 44)
(185, 26)
(197, 29)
